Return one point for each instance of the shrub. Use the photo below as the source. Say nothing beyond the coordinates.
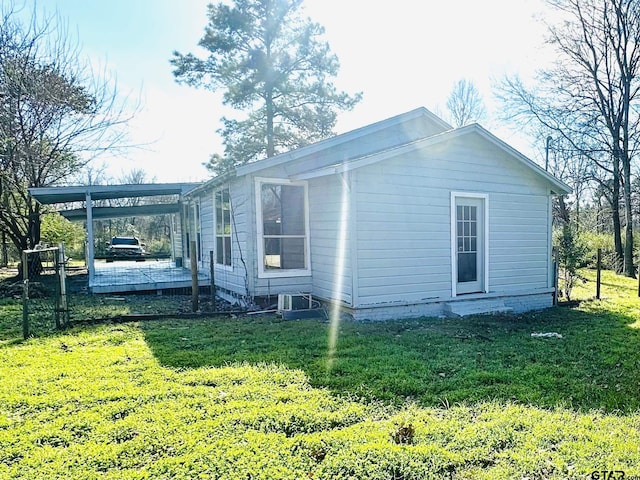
(604, 241)
(572, 253)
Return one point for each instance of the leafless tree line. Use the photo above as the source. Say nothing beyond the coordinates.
(587, 102)
(56, 116)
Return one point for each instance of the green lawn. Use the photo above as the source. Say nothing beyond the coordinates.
(254, 397)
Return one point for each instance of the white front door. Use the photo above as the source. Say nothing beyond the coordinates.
(469, 229)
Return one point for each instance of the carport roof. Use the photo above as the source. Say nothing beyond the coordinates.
(79, 193)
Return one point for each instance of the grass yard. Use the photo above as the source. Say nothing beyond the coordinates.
(253, 398)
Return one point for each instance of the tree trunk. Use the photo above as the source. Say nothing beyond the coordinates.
(629, 268)
(562, 210)
(615, 207)
(5, 250)
(617, 228)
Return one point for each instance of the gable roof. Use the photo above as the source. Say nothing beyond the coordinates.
(340, 139)
(447, 133)
(559, 187)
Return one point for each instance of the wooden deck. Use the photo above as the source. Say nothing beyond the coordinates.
(150, 275)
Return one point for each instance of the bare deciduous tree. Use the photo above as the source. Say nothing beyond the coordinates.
(588, 95)
(56, 116)
(465, 103)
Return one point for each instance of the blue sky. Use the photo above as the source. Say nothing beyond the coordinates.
(401, 55)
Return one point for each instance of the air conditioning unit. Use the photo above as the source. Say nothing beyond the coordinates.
(294, 301)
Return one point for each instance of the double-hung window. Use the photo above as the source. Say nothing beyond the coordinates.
(283, 228)
(223, 227)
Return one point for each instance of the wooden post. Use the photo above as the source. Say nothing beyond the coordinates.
(598, 272)
(212, 267)
(194, 276)
(25, 296)
(56, 266)
(556, 271)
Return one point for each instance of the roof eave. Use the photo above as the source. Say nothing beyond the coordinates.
(558, 187)
(77, 193)
(561, 188)
(212, 183)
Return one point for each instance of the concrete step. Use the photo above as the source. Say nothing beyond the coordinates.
(489, 306)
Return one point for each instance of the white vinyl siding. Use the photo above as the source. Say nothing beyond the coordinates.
(230, 278)
(330, 238)
(404, 222)
(403, 240)
(206, 225)
(398, 238)
(324, 214)
(237, 279)
(520, 254)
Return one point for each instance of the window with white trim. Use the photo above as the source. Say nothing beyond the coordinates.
(282, 227)
(223, 227)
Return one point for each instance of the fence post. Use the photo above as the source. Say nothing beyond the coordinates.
(598, 272)
(25, 296)
(212, 268)
(56, 312)
(555, 252)
(194, 277)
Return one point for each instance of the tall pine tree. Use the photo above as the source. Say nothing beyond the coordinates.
(272, 64)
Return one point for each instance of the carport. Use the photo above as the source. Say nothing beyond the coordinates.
(132, 276)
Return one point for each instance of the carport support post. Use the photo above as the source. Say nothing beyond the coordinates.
(194, 277)
(64, 307)
(25, 295)
(90, 246)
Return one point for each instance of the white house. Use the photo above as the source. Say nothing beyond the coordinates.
(401, 218)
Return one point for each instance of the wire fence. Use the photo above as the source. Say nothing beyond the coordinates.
(144, 274)
(56, 294)
(44, 289)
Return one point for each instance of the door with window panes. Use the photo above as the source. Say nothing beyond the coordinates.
(469, 245)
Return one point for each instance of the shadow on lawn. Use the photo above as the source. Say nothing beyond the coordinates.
(436, 362)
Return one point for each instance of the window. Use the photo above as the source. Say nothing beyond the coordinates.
(467, 239)
(223, 227)
(282, 228)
